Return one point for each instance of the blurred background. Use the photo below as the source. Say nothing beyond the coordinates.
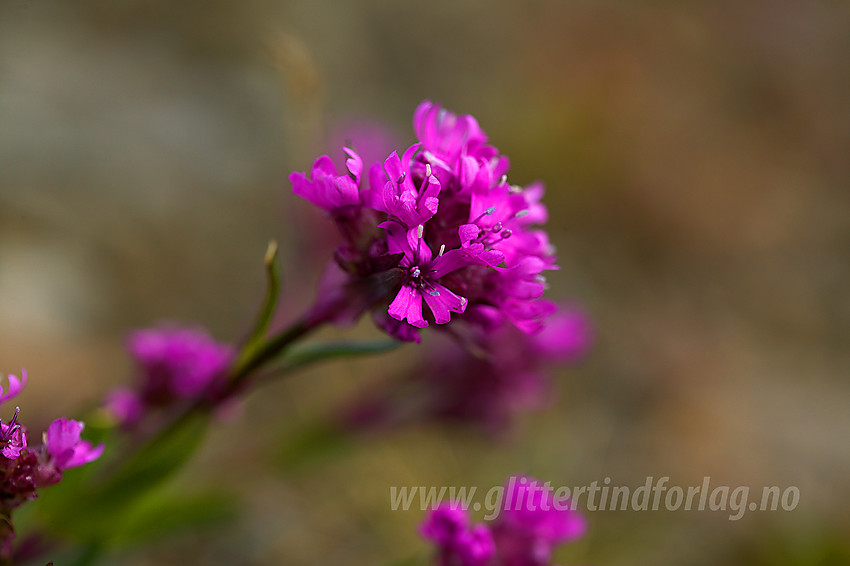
(697, 162)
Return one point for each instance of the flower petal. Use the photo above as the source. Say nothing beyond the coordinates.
(442, 302)
(15, 385)
(408, 304)
(84, 453)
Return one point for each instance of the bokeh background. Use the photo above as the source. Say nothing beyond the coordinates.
(697, 160)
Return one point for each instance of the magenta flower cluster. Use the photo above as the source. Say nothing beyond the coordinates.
(526, 532)
(438, 231)
(499, 371)
(25, 468)
(484, 379)
(175, 365)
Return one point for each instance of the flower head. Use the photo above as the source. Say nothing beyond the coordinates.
(443, 216)
(13, 437)
(174, 364)
(447, 526)
(24, 469)
(532, 523)
(178, 361)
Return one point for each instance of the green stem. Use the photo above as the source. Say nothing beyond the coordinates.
(270, 350)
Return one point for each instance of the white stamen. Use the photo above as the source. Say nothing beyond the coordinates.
(427, 169)
(442, 250)
(490, 210)
(521, 213)
(503, 180)
(420, 230)
(515, 189)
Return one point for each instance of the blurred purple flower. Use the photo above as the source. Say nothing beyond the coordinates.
(174, 364)
(531, 524)
(483, 375)
(372, 140)
(447, 526)
(444, 524)
(125, 405)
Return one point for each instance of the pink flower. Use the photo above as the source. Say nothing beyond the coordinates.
(179, 361)
(15, 386)
(532, 523)
(399, 196)
(484, 374)
(64, 446)
(447, 526)
(24, 470)
(445, 136)
(456, 229)
(175, 365)
(421, 277)
(327, 190)
(444, 524)
(13, 438)
(125, 405)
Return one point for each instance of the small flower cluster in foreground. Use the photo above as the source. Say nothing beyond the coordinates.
(435, 233)
(25, 468)
(176, 366)
(526, 532)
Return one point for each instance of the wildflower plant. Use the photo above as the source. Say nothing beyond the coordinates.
(435, 238)
(26, 468)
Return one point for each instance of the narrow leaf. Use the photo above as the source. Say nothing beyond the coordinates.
(313, 353)
(266, 313)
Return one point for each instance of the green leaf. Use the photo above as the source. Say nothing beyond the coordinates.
(313, 353)
(266, 313)
(168, 513)
(160, 458)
